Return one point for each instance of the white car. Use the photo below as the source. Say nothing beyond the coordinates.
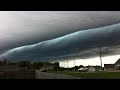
(83, 69)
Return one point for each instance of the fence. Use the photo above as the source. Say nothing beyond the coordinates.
(27, 74)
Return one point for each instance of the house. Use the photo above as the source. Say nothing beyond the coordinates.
(47, 68)
(92, 69)
(8, 67)
(109, 67)
(117, 64)
(97, 68)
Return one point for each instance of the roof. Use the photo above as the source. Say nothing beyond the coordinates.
(97, 67)
(118, 61)
(109, 65)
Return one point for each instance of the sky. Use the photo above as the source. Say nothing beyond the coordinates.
(91, 61)
(19, 28)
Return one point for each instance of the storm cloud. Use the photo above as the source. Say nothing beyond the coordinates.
(19, 28)
(43, 35)
(81, 44)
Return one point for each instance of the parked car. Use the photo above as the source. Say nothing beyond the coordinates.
(43, 70)
(83, 69)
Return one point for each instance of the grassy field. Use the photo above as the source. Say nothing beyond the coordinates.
(93, 75)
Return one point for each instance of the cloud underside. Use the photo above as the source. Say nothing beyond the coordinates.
(82, 44)
(19, 28)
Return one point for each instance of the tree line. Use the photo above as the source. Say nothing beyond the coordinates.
(29, 64)
(38, 65)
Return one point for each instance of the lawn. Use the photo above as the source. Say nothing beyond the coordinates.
(93, 75)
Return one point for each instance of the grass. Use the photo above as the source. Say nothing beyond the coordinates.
(93, 75)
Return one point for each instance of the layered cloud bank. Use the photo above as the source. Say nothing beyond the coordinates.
(19, 28)
(83, 44)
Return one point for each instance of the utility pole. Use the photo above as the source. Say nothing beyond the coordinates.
(100, 54)
(75, 56)
(100, 57)
(67, 63)
(74, 61)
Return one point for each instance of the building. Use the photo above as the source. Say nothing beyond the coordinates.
(92, 69)
(117, 64)
(109, 67)
(97, 68)
(47, 68)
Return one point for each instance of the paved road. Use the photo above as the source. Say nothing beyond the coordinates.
(45, 75)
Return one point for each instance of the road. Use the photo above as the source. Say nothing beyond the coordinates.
(45, 75)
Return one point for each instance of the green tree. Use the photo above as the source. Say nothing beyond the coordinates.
(76, 68)
(46, 63)
(61, 68)
(81, 66)
(10, 63)
(56, 66)
(37, 65)
(24, 64)
(0, 62)
(4, 61)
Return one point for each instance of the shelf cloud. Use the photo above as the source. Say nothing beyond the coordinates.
(19, 28)
(83, 44)
(24, 33)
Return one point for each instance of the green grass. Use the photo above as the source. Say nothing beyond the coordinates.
(93, 75)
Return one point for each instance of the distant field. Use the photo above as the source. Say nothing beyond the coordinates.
(94, 75)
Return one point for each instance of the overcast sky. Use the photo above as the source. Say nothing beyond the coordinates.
(18, 28)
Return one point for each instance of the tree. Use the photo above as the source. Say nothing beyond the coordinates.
(24, 64)
(10, 63)
(76, 68)
(56, 66)
(0, 62)
(37, 65)
(47, 63)
(4, 61)
(81, 66)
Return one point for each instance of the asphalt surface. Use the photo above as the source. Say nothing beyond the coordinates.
(45, 75)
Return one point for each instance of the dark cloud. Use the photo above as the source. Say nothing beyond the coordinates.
(82, 44)
(20, 28)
